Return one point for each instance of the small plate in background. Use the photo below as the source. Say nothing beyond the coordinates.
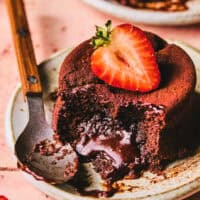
(145, 16)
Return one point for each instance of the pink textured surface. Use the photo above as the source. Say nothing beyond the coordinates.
(54, 25)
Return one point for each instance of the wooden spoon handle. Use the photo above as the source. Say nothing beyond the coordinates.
(24, 49)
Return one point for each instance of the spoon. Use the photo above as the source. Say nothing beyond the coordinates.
(37, 151)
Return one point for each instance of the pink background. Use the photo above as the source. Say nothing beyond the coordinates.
(54, 25)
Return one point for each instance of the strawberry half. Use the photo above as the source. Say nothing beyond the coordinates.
(125, 58)
(3, 197)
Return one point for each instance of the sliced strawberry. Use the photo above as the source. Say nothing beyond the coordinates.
(127, 61)
(3, 197)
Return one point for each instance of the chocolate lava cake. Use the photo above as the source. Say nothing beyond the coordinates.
(123, 132)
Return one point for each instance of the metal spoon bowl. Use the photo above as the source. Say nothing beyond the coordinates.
(37, 151)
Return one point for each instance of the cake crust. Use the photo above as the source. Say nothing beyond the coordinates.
(153, 120)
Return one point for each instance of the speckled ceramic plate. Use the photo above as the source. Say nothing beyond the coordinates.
(190, 16)
(179, 180)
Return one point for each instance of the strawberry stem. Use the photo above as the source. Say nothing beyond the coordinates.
(102, 35)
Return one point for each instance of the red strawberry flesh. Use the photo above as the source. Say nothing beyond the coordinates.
(128, 61)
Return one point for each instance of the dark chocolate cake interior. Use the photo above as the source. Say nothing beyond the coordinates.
(112, 141)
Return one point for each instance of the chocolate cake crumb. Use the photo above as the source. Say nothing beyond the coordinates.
(71, 169)
(1, 176)
(55, 49)
(6, 50)
(53, 95)
(10, 169)
(63, 28)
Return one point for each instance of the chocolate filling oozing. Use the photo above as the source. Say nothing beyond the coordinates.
(111, 139)
(109, 145)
